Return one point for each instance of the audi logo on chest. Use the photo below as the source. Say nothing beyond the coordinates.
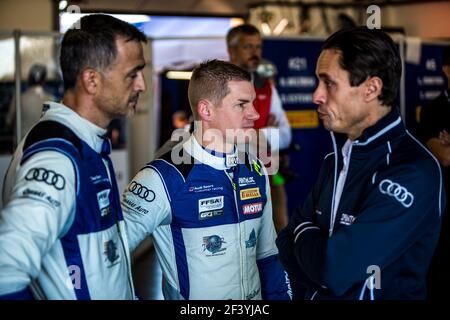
(393, 189)
(141, 191)
(48, 176)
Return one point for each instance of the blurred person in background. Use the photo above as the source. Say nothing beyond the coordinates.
(32, 100)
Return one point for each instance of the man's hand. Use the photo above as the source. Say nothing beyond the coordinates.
(440, 147)
(444, 138)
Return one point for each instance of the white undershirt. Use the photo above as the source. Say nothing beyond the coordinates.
(346, 151)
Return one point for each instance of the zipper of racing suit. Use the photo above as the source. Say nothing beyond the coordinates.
(233, 184)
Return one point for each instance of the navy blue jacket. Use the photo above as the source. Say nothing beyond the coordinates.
(386, 225)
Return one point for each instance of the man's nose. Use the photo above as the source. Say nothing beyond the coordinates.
(140, 84)
(256, 51)
(319, 95)
(252, 113)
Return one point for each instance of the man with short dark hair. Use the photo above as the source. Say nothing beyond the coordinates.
(62, 233)
(434, 131)
(370, 225)
(209, 209)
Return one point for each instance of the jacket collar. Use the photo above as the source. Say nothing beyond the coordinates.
(387, 128)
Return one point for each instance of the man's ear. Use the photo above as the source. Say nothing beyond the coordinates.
(90, 79)
(373, 88)
(446, 70)
(231, 54)
(205, 110)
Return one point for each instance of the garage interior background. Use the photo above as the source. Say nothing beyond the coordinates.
(183, 33)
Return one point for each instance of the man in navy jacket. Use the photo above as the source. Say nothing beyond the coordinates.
(371, 223)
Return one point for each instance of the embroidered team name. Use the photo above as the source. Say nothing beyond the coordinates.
(252, 208)
(251, 193)
(245, 181)
(347, 219)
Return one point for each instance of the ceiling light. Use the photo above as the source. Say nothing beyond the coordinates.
(265, 28)
(179, 75)
(63, 5)
(280, 26)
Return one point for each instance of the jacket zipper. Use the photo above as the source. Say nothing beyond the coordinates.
(240, 238)
(336, 205)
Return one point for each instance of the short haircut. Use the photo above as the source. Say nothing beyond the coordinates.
(210, 81)
(446, 56)
(234, 34)
(93, 45)
(367, 53)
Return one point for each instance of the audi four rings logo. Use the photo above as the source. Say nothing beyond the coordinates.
(141, 191)
(48, 176)
(395, 190)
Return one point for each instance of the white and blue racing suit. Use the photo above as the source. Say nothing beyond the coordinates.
(62, 234)
(211, 219)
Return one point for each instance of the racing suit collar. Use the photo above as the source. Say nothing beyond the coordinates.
(84, 129)
(217, 160)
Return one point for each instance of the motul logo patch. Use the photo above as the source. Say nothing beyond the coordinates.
(252, 208)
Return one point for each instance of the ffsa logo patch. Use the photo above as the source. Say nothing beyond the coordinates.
(210, 207)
